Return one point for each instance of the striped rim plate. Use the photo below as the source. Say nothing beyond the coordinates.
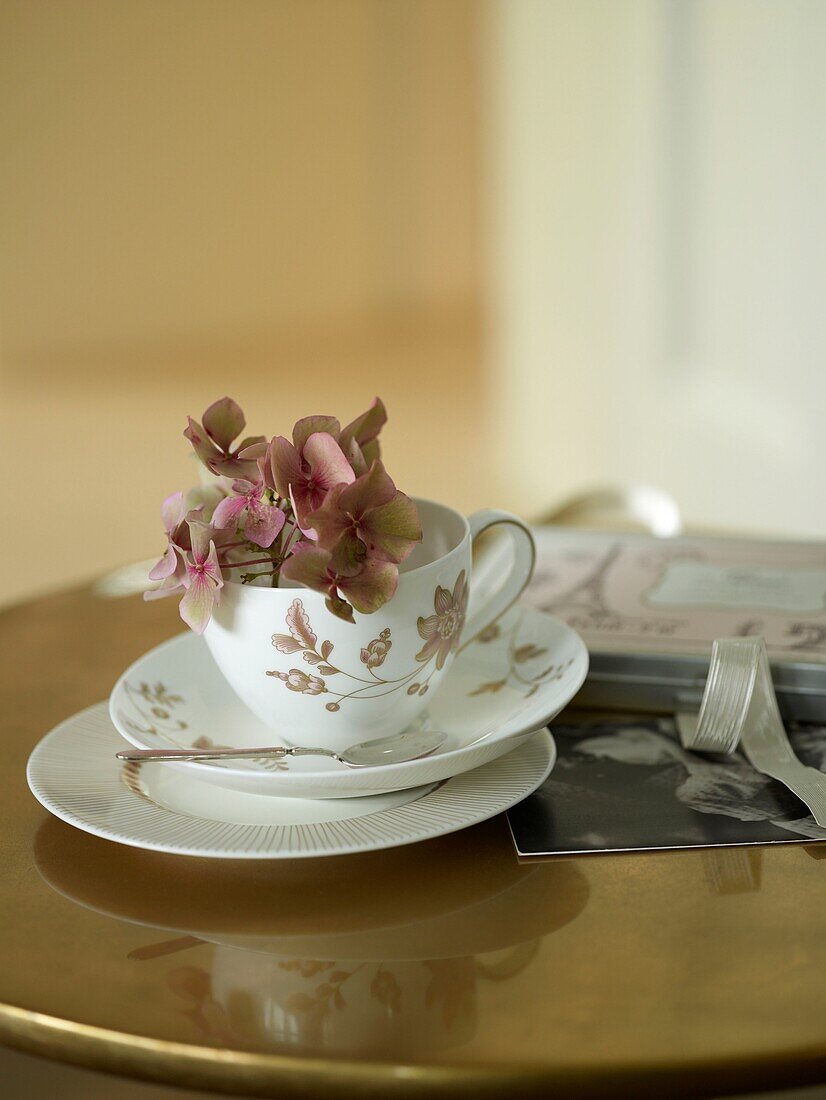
(74, 774)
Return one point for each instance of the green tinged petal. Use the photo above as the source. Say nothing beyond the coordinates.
(339, 607)
(196, 606)
(370, 452)
(330, 522)
(372, 587)
(366, 427)
(355, 456)
(252, 448)
(308, 565)
(252, 441)
(392, 530)
(224, 421)
(309, 425)
(203, 446)
(371, 490)
(347, 556)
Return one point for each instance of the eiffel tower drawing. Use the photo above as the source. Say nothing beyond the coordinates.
(587, 594)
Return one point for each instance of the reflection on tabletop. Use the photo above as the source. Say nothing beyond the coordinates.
(380, 953)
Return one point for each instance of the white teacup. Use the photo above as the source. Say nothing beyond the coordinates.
(322, 682)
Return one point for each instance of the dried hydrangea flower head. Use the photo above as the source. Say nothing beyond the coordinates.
(318, 510)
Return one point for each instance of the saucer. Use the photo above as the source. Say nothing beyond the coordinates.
(74, 773)
(506, 684)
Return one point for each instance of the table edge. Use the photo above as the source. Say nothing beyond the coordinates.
(249, 1073)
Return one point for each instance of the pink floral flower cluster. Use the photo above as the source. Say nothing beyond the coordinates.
(320, 511)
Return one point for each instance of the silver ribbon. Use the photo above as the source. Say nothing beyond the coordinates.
(739, 707)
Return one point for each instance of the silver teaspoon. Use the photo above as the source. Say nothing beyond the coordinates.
(367, 754)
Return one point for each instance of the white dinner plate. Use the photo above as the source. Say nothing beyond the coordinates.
(508, 683)
(74, 773)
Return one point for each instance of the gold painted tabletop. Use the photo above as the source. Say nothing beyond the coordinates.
(430, 970)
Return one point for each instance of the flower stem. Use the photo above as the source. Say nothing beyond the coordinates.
(288, 542)
(255, 561)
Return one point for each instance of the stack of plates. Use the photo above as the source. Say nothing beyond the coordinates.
(500, 693)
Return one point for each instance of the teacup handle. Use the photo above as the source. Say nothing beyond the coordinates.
(487, 605)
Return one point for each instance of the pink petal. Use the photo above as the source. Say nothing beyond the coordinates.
(205, 449)
(170, 587)
(200, 535)
(228, 512)
(301, 500)
(311, 497)
(245, 488)
(327, 461)
(211, 567)
(172, 512)
(264, 523)
(166, 566)
(286, 465)
(197, 604)
(234, 467)
(224, 421)
(330, 522)
(265, 471)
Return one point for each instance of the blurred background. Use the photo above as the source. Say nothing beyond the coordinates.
(569, 242)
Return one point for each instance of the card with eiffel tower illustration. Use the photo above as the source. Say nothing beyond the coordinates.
(649, 609)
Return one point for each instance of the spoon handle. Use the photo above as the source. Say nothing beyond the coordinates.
(138, 755)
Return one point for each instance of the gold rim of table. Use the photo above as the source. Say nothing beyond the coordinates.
(241, 1072)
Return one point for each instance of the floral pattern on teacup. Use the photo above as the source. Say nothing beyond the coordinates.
(151, 716)
(296, 680)
(153, 704)
(441, 633)
(525, 671)
(374, 653)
